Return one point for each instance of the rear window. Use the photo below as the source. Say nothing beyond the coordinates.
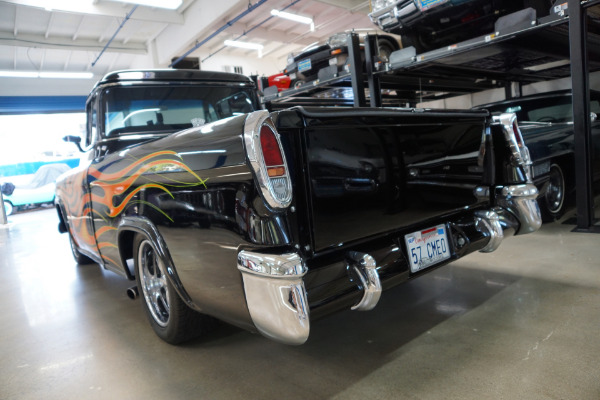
(132, 110)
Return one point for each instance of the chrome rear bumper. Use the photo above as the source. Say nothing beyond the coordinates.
(274, 283)
(276, 295)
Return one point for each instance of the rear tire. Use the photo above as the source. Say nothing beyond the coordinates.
(554, 201)
(171, 319)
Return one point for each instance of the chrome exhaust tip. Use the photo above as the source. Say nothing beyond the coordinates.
(133, 292)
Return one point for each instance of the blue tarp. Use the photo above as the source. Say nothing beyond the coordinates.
(31, 167)
(41, 104)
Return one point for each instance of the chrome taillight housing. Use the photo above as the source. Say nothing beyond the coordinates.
(267, 159)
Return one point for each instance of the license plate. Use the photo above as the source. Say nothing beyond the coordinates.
(304, 65)
(425, 5)
(427, 247)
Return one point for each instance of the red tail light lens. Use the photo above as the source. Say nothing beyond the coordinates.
(267, 159)
(270, 147)
(271, 152)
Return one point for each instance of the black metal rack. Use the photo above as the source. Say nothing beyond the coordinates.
(521, 50)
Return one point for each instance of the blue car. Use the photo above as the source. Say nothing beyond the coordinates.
(40, 190)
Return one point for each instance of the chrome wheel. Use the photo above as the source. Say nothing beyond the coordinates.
(8, 208)
(555, 195)
(153, 281)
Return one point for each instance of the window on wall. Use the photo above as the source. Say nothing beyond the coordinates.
(236, 69)
(30, 139)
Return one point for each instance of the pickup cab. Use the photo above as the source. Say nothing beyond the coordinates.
(267, 220)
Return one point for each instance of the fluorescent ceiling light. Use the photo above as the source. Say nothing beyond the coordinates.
(168, 4)
(550, 65)
(294, 17)
(245, 45)
(59, 75)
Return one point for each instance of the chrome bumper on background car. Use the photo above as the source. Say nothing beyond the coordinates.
(393, 13)
(274, 283)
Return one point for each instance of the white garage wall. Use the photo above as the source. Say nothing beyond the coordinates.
(490, 96)
(251, 65)
(46, 87)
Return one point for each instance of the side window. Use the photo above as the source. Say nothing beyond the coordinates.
(92, 122)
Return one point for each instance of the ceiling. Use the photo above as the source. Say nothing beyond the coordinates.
(63, 35)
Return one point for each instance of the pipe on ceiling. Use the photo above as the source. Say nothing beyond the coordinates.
(115, 34)
(221, 29)
(250, 30)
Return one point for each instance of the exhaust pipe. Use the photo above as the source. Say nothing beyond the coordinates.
(133, 292)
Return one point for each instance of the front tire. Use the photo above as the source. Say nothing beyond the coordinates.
(171, 319)
(553, 203)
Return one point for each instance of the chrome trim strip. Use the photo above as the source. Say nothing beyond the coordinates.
(521, 201)
(365, 268)
(488, 223)
(254, 153)
(276, 295)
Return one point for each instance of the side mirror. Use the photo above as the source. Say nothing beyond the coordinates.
(593, 116)
(74, 139)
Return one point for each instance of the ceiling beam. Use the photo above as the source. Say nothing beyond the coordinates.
(272, 35)
(76, 34)
(39, 41)
(107, 9)
(67, 61)
(50, 21)
(16, 29)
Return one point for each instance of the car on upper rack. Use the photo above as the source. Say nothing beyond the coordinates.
(333, 53)
(546, 122)
(431, 24)
(39, 191)
(267, 220)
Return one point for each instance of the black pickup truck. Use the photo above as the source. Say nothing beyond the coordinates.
(546, 122)
(269, 220)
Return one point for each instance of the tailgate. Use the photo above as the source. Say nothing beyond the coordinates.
(374, 171)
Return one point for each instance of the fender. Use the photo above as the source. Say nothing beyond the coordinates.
(144, 226)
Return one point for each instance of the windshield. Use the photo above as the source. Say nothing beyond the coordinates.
(551, 109)
(129, 110)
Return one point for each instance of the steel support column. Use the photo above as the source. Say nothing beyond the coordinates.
(581, 116)
(3, 220)
(356, 71)
(372, 78)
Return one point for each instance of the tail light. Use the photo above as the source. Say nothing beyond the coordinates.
(267, 159)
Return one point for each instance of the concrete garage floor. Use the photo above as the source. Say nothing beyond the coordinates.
(520, 323)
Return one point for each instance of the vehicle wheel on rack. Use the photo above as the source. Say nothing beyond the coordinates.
(553, 202)
(8, 208)
(172, 320)
(77, 256)
(384, 49)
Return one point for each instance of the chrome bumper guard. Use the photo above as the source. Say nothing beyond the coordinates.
(276, 295)
(488, 223)
(521, 201)
(363, 268)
